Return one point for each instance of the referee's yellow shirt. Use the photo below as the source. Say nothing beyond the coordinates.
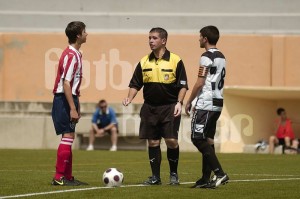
(161, 78)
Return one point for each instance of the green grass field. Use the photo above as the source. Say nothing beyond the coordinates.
(251, 175)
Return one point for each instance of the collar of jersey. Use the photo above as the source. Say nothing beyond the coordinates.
(166, 55)
(74, 49)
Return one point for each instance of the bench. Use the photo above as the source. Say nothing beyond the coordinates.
(127, 137)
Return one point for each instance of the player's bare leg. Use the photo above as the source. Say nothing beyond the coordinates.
(295, 145)
(91, 140)
(114, 138)
(292, 148)
(93, 135)
(154, 152)
(272, 142)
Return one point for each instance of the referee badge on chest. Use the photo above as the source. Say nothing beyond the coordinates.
(166, 77)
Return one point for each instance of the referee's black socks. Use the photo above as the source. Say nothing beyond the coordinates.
(155, 160)
(173, 157)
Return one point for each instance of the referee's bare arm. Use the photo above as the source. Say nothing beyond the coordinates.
(68, 93)
(131, 94)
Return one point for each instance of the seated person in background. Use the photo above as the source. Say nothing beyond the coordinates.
(284, 133)
(104, 121)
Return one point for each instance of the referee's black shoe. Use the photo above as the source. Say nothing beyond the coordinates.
(174, 180)
(201, 183)
(218, 180)
(153, 180)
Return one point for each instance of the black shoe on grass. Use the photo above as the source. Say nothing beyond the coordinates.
(63, 182)
(153, 180)
(201, 183)
(174, 180)
(77, 181)
(218, 180)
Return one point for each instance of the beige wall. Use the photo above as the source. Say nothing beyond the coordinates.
(28, 62)
(28, 65)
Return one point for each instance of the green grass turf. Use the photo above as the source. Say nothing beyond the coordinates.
(31, 171)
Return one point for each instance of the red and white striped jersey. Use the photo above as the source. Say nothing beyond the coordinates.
(70, 69)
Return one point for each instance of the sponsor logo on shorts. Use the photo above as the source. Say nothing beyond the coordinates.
(199, 128)
(72, 125)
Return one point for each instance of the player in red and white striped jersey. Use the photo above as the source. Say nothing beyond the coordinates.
(66, 108)
(70, 69)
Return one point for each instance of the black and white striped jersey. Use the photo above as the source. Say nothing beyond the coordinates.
(211, 96)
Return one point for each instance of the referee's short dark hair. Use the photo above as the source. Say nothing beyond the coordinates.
(211, 33)
(73, 29)
(280, 110)
(163, 34)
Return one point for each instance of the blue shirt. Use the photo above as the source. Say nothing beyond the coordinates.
(104, 119)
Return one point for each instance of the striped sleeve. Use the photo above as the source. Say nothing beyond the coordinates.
(69, 66)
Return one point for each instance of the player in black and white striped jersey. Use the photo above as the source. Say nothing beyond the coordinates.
(208, 91)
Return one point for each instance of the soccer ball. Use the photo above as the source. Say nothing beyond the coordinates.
(112, 177)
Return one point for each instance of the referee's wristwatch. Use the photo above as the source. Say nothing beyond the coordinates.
(181, 102)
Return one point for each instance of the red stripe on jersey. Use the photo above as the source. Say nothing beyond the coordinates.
(79, 84)
(70, 59)
(73, 75)
(60, 69)
(65, 64)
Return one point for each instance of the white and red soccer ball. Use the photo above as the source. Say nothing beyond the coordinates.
(112, 177)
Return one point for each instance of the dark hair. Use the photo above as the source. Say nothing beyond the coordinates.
(73, 29)
(211, 33)
(163, 34)
(102, 101)
(280, 110)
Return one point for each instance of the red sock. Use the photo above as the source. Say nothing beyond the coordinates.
(64, 158)
(68, 171)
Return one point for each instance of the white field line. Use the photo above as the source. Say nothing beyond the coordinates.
(183, 173)
(139, 185)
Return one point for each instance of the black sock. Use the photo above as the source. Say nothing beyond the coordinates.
(206, 170)
(155, 160)
(209, 154)
(173, 157)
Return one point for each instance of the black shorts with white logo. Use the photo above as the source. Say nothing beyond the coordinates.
(204, 124)
(158, 122)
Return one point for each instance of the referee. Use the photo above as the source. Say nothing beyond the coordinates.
(163, 76)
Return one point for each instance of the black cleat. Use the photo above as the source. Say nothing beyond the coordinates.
(153, 180)
(77, 181)
(174, 180)
(201, 183)
(218, 180)
(63, 182)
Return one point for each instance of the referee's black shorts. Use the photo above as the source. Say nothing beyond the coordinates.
(61, 114)
(204, 124)
(158, 122)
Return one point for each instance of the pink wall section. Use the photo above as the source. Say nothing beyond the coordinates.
(28, 62)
